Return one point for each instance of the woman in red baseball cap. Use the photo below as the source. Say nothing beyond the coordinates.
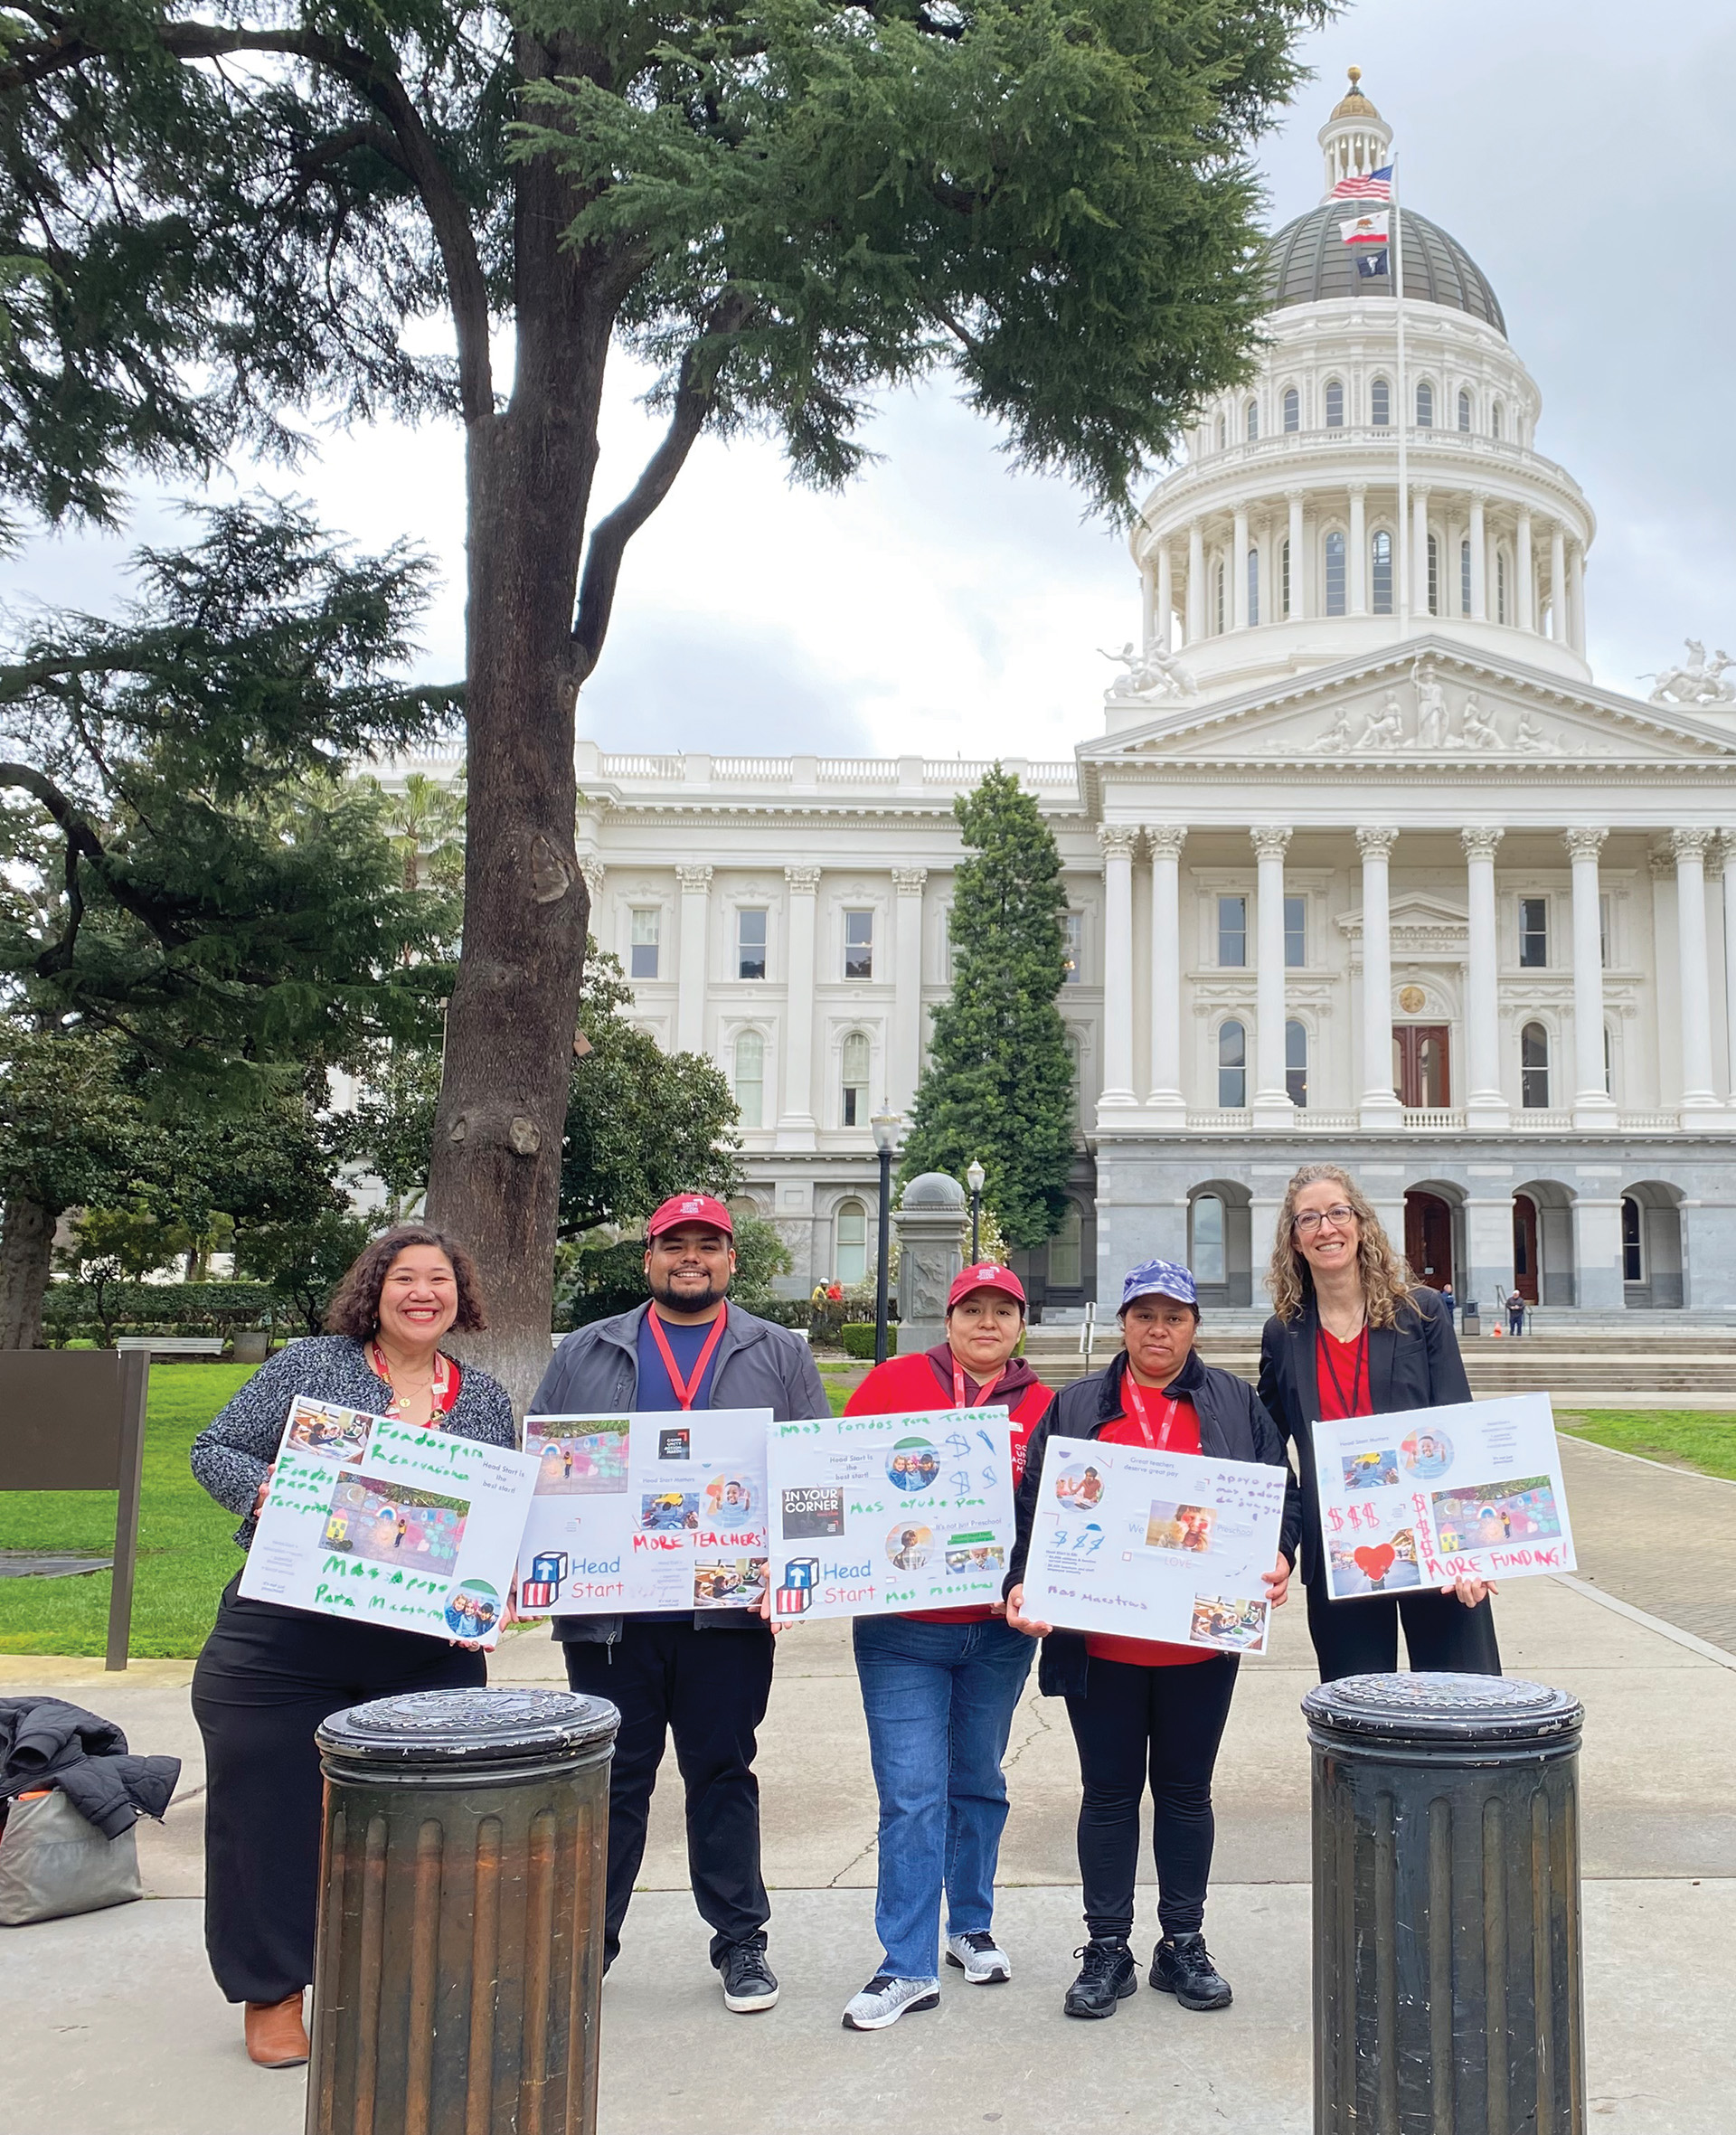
(940, 1686)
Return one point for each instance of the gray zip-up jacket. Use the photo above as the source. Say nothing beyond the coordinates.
(760, 1365)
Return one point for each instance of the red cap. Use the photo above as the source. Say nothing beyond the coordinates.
(690, 1208)
(986, 1275)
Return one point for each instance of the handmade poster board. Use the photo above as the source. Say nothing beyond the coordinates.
(376, 1521)
(875, 1515)
(661, 1510)
(1148, 1543)
(1428, 1495)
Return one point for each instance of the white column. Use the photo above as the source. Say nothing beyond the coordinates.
(1147, 608)
(1116, 842)
(1195, 583)
(1418, 550)
(1380, 1106)
(1165, 841)
(1272, 1106)
(1727, 856)
(1358, 558)
(1592, 1106)
(1299, 559)
(1479, 541)
(1239, 569)
(1558, 583)
(796, 1076)
(1485, 1104)
(1576, 598)
(1690, 849)
(1524, 614)
(906, 1063)
(1166, 598)
(690, 985)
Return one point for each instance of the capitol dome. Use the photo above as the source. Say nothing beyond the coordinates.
(1311, 264)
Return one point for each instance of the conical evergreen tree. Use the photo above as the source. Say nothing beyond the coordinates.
(999, 1084)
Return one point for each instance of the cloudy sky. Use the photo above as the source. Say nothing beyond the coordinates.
(1581, 152)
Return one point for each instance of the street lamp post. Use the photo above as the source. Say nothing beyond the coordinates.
(885, 1126)
(975, 1177)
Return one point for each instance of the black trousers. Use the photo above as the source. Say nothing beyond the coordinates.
(1361, 1637)
(710, 1688)
(266, 1680)
(1164, 1723)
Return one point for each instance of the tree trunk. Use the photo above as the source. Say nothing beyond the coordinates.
(26, 1253)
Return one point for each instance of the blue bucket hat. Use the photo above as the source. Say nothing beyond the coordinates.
(1159, 1279)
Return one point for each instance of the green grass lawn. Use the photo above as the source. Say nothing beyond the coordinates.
(1682, 1437)
(185, 1556)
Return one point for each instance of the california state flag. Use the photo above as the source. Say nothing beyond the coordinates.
(1366, 229)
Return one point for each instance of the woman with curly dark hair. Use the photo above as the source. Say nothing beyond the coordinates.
(269, 1675)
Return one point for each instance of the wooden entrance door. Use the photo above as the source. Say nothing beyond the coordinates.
(1428, 1239)
(1525, 1247)
(1419, 1071)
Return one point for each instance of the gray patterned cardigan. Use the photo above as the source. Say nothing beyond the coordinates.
(231, 1456)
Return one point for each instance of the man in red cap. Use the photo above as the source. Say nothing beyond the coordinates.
(939, 1685)
(704, 1674)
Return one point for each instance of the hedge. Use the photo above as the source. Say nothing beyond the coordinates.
(858, 1339)
(156, 1308)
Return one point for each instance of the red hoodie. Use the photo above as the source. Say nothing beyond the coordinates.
(907, 1385)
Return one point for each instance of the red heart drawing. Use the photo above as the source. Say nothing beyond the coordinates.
(1376, 1561)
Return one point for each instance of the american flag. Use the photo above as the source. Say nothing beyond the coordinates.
(1366, 186)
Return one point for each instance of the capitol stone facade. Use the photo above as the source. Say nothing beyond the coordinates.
(1363, 867)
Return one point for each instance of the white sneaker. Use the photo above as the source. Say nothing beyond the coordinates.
(980, 1958)
(884, 1999)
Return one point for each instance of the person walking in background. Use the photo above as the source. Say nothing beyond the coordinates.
(268, 1675)
(1140, 1709)
(939, 1685)
(704, 1675)
(1351, 1335)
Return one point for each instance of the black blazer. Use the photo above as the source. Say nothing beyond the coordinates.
(1233, 1426)
(1412, 1365)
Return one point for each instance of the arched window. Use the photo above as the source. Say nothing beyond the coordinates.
(1425, 405)
(1500, 585)
(1534, 1068)
(1232, 1067)
(854, 1066)
(1253, 420)
(1497, 420)
(1223, 432)
(1295, 1062)
(1066, 1250)
(1253, 585)
(1292, 408)
(1434, 575)
(1381, 552)
(1334, 574)
(1284, 574)
(851, 1265)
(1465, 578)
(1206, 1246)
(1380, 404)
(1217, 597)
(1464, 408)
(1334, 404)
(1633, 1239)
(749, 1077)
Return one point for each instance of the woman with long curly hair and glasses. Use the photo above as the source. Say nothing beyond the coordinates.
(1352, 1335)
(269, 1675)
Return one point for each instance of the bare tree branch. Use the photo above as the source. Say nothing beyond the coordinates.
(162, 916)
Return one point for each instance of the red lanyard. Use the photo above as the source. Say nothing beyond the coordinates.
(1358, 1370)
(685, 1389)
(1137, 1401)
(988, 1386)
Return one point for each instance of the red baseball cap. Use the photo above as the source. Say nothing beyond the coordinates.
(986, 1275)
(690, 1208)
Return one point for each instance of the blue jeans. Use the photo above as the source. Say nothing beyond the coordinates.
(939, 1699)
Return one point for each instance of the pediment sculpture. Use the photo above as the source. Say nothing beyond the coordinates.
(1435, 727)
(1697, 680)
(1154, 672)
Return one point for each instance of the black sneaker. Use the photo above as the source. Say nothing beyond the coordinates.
(1107, 1976)
(1182, 1965)
(749, 1981)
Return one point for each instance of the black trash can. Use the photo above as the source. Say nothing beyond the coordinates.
(461, 1914)
(1447, 1960)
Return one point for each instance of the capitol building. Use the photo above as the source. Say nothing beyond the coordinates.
(1362, 865)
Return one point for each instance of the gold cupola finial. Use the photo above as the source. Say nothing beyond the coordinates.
(1354, 104)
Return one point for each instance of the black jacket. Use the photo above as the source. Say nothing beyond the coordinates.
(1233, 1426)
(45, 1742)
(1412, 1365)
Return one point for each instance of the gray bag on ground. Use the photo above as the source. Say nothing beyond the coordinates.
(52, 1862)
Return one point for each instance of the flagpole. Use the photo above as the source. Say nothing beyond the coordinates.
(1404, 418)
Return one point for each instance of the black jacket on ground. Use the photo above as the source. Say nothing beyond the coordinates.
(46, 1742)
(1412, 1365)
(1233, 1426)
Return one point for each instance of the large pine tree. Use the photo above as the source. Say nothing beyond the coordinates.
(999, 1084)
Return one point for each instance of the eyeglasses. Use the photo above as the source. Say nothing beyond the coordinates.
(1310, 1220)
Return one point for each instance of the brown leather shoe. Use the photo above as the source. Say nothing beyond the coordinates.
(276, 2035)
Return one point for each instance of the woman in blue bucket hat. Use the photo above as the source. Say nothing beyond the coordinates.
(1142, 1711)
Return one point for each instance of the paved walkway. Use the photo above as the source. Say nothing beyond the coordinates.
(1662, 1538)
